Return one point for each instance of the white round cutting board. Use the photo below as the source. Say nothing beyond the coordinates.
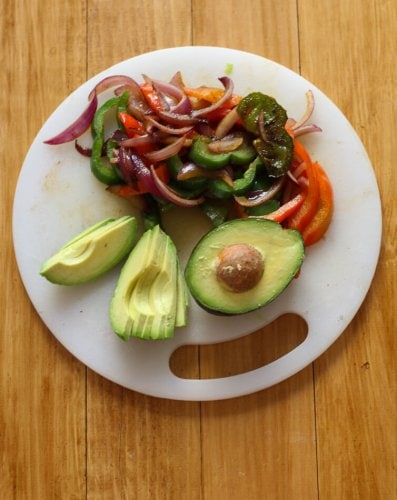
(57, 197)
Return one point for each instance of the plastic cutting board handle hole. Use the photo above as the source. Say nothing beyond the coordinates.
(241, 355)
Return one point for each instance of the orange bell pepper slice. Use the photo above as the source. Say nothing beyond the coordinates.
(301, 218)
(211, 95)
(319, 224)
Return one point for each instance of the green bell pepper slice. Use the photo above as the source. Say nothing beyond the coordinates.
(274, 145)
(103, 170)
(201, 155)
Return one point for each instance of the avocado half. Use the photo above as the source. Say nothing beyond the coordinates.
(92, 252)
(243, 264)
(150, 299)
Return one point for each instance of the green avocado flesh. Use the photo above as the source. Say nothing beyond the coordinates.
(281, 252)
(92, 252)
(151, 297)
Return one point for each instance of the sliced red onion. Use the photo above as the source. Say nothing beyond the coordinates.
(308, 112)
(138, 141)
(144, 175)
(166, 129)
(226, 124)
(292, 177)
(261, 196)
(225, 145)
(178, 119)
(191, 170)
(184, 106)
(306, 129)
(83, 150)
(78, 127)
(177, 80)
(168, 89)
(228, 84)
(166, 152)
(126, 166)
(136, 99)
(109, 82)
(170, 195)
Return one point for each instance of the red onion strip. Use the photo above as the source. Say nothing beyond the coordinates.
(144, 175)
(178, 119)
(225, 145)
(109, 82)
(308, 112)
(170, 195)
(137, 141)
(78, 127)
(262, 196)
(166, 152)
(228, 84)
(168, 130)
(306, 129)
(226, 124)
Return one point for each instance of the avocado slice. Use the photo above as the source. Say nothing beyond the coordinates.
(92, 252)
(150, 298)
(243, 264)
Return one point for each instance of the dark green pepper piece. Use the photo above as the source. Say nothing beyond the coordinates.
(276, 154)
(274, 145)
(103, 171)
(251, 106)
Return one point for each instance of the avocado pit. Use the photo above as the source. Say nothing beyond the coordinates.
(239, 267)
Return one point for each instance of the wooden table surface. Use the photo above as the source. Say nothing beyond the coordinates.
(328, 432)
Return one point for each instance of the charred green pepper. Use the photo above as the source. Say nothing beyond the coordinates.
(264, 117)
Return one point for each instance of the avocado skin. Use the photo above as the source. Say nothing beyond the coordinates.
(91, 253)
(268, 237)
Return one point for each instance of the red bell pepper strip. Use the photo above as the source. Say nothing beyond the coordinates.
(279, 215)
(317, 227)
(301, 218)
(287, 209)
(152, 98)
(131, 125)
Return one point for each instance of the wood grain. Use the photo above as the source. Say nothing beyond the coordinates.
(42, 387)
(356, 379)
(329, 432)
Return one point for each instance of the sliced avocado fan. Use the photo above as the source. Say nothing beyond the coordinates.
(92, 252)
(150, 299)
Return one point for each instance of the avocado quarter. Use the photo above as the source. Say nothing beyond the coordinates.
(150, 299)
(243, 264)
(92, 252)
